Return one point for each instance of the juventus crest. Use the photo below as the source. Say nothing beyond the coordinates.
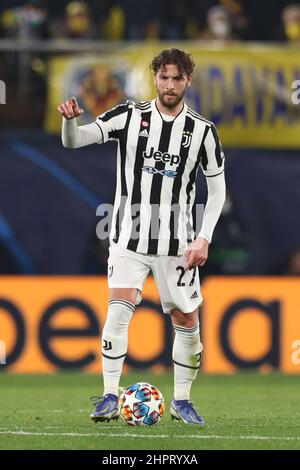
(186, 139)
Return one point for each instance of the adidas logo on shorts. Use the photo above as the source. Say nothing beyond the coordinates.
(195, 295)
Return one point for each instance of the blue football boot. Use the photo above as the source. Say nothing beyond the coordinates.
(183, 410)
(106, 408)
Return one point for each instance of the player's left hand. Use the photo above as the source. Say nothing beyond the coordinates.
(196, 254)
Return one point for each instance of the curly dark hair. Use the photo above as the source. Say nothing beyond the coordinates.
(177, 57)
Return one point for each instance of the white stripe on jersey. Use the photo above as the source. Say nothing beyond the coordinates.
(156, 168)
(131, 145)
(146, 184)
(167, 187)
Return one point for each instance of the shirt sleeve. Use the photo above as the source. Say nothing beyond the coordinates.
(74, 136)
(215, 200)
(112, 122)
(212, 155)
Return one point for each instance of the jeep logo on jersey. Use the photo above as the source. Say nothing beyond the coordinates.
(164, 157)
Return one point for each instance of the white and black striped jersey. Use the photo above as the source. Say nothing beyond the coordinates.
(157, 167)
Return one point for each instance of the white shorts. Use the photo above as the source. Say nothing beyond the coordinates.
(178, 289)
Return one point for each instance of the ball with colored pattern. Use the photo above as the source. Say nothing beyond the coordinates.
(141, 404)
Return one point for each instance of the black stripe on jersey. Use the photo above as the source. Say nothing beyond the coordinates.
(143, 103)
(120, 109)
(184, 152)
(146, 104)
(212, 176)
(198, 116)
(157, 180)
(114, 134)
(124, 192)
(218, 150)
(100, 130)
(202, 150)
(138, 164)
(192, 176)
(146, 108)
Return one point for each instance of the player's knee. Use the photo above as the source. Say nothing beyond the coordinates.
(187, 320)
(125, 294)
(119, 313)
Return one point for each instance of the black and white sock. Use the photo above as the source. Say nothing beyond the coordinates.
(187, 349)
(114, 342)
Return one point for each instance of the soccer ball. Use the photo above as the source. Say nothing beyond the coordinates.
(141, 404)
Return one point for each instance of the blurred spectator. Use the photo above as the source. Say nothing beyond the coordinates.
(263, 18)
(240, 20)
(78, 21)
(26, 70)
(142, 20)
(197, 12)
(76, 24)
(174, 19)
(113, 27)
(26, 22)
(291, 23)
(151, 19)
(218, 25)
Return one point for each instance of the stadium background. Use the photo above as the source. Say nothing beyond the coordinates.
(53, 291)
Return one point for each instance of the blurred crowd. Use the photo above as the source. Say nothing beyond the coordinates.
(269, 20)
(139, 20)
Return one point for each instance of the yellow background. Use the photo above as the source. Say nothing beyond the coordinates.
(266, 72)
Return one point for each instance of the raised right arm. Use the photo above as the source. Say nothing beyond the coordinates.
(74, 136)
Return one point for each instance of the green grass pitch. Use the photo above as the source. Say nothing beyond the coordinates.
(242, 411)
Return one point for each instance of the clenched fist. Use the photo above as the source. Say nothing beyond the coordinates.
(70, 109)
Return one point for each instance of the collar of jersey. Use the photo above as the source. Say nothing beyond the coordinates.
(178, 116)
